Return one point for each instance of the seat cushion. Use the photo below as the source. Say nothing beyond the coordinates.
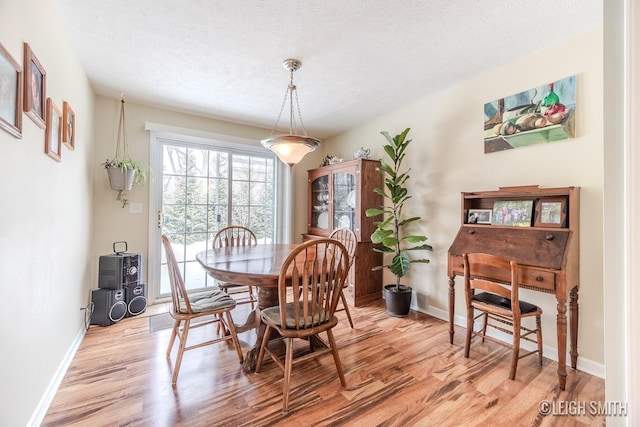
(272, 315)
(208, 301)
(497, 300)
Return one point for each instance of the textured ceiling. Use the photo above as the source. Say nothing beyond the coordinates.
(360, 58)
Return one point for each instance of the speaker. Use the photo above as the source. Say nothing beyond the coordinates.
(136, 299)
(109, 306)
(118, 270)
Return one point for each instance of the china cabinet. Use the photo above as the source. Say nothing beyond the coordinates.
(338, 196)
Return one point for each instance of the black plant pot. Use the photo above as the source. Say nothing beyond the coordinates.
(398, 300)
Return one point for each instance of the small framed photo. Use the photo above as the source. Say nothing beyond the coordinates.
(68, 126)
(10, 94)
(35, 88)
(479, 216)
(551, 212)
(515, 213)
(53, 140)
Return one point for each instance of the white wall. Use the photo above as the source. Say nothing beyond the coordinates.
(447, 157)
(46, 220)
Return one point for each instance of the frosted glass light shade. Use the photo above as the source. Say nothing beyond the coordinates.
(290, 149)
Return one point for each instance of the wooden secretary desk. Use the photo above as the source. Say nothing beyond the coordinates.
(548, 250)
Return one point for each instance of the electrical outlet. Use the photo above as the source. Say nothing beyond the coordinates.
(135, 208)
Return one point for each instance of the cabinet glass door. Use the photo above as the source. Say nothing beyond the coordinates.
(320, 202)
(344, 200)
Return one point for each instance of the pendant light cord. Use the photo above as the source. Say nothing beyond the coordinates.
(289, 92)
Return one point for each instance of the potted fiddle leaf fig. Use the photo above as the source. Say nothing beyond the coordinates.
(389, 235)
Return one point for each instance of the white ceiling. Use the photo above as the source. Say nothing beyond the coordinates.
(360, 58)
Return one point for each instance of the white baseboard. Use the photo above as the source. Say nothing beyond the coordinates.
(550, 352)
(46, 399)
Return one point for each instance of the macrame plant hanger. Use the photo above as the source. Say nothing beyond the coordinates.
(122, 146)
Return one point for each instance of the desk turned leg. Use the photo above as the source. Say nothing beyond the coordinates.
(573, 313)
(267, 297)
(562, 344)
(452, 306)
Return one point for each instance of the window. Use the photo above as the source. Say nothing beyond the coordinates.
(205, 186)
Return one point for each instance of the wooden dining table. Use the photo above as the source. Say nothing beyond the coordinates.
(257, 266)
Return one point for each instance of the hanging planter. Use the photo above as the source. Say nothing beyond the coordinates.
(121, 179)
(124, 172)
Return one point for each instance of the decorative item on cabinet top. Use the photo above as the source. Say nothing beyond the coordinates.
(362, 153)
(330, 160)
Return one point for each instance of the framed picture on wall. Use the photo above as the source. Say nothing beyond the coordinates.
(53, 140)
(35, 88)
(68, 126)
(10, 94)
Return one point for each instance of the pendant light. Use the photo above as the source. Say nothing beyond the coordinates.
(291, 148)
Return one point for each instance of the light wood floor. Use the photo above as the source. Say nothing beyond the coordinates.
(399, 372)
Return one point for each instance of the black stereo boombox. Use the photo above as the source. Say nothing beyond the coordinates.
(119, 269)
(120, 293)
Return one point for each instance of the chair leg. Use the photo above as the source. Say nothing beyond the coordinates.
(288, 362)
(174, 332)
(220, 329)
(485, 319)
(336, 357)
(252, 297)
(234, 335)
(183, 344)
(539, 333)
(515, 355)
(346, 307)
(467, 342)
(265, 340)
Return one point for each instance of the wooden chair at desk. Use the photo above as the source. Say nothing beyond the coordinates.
(499, 304)
(309, 287)
(236, 235)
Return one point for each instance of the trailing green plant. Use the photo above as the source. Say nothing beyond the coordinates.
(388, 235)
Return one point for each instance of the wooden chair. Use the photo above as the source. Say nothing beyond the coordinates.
(498, 303)
(236, 235)
(348, 238)
(187, 307)
(309, 287)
